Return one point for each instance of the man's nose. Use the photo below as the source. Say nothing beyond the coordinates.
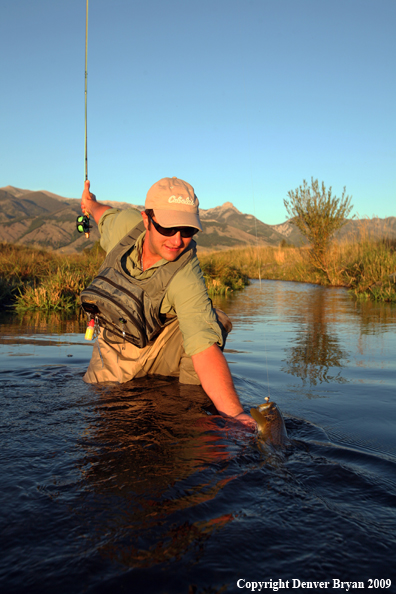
(177, 239)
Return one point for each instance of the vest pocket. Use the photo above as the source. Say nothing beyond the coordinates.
(107, 304)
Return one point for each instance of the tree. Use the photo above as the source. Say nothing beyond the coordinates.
(318, 215)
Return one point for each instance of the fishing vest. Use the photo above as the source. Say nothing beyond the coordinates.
(126, 307)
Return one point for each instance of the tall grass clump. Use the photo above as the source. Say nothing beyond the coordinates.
(57, 291)
(221, 277)
(32, 279)
(20, 265)
(371, 269)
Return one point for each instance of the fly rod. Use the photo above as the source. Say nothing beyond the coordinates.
(82, 222)
(85, 93)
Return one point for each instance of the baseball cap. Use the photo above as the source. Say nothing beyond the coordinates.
(174, 203)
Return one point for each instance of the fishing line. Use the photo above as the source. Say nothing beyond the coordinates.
(255, 218)
(249, 143)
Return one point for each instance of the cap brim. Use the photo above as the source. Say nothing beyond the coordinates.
(177, 218)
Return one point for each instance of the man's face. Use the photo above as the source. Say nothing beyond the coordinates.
(159, 246)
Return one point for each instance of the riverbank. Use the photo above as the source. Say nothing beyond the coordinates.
(366, 268)
(32, 279)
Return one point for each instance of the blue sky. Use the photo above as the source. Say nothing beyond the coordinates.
(242, 98)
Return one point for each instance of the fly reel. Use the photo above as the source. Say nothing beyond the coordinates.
(83, 226)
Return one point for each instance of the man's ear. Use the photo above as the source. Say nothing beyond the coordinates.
(146, 220)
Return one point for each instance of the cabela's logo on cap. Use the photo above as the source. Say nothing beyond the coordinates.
(181, 200)
(174, 203)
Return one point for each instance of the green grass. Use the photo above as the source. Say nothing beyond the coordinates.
(363, 267)
(221, 278)
(368, 273)
(32, 279)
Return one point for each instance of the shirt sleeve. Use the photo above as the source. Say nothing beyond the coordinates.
(114, 224)
(187, 296)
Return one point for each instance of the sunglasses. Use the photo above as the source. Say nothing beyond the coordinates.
(170, 231)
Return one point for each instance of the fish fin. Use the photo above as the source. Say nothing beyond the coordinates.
(259, 418)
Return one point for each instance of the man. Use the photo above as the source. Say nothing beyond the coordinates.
(189, 345)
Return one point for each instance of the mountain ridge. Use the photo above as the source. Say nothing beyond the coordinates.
(46, 220)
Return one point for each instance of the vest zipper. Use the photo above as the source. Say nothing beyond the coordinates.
(113, 284)
(121, 307)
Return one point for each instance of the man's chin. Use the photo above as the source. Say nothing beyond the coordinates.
(172, 255)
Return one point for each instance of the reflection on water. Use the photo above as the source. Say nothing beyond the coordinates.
(316, 356)
(155, 441)
(139, 488)
(375, 318)
(37, 322)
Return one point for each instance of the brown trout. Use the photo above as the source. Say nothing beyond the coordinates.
(270, 424)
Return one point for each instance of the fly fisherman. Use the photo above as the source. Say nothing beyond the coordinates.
(188, 333)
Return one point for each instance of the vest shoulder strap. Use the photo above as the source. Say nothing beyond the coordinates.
(128, 241)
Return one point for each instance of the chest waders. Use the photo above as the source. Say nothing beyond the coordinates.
(126, 307)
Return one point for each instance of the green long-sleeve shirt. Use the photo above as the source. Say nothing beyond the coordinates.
(186, 296)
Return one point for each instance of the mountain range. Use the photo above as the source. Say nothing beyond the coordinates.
(45, 220)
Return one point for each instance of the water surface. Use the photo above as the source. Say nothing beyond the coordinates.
(137, 488)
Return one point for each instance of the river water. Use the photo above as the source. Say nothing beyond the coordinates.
(137, 488)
